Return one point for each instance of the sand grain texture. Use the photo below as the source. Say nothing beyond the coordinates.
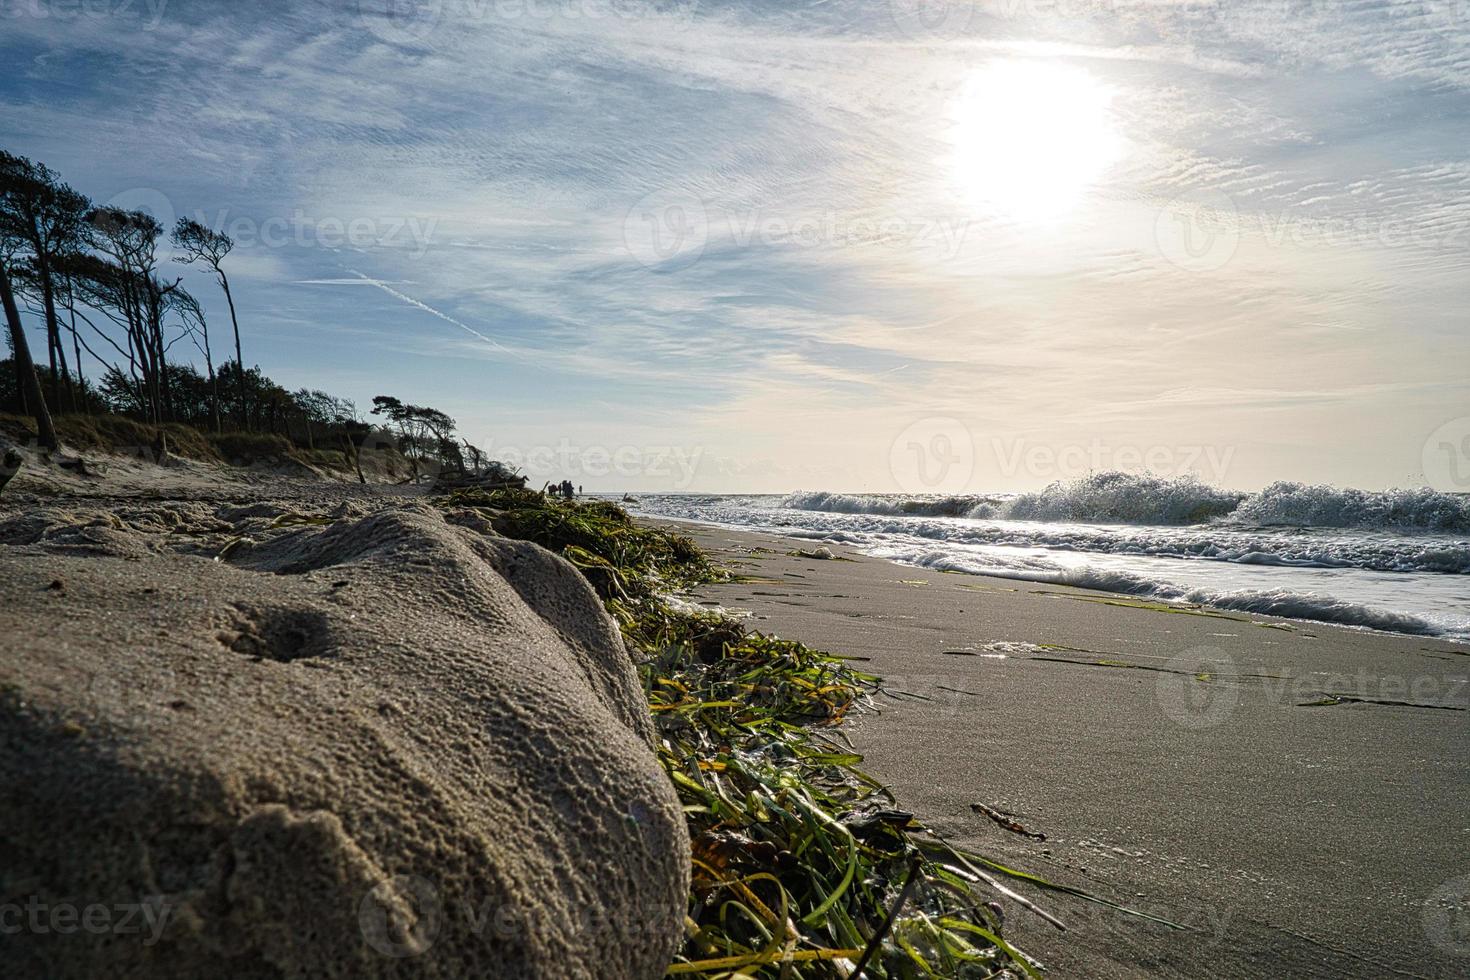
(385, 746)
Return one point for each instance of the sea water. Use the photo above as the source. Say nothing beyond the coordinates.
(1395, 560)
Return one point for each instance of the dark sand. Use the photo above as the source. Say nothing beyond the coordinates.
(1293, 841)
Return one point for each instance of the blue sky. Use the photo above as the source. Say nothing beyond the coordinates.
(768, 246)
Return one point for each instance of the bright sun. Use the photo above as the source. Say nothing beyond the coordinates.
(1030, 136)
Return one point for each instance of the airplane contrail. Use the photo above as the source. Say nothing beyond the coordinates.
(429, 309)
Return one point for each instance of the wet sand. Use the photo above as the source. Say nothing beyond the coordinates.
(1296, 795)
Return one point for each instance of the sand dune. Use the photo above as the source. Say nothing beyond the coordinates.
(384, 745)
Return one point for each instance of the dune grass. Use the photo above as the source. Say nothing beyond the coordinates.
(115, 433)
(129, 437)
(802, 864)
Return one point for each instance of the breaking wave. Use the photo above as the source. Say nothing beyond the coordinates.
(1300, 505)
(896, 504)
(1266, 602)
(1125, 498)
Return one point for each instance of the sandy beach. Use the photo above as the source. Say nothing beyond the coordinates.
(1292, 794)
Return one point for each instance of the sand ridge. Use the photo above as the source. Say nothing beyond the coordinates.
(369, 741)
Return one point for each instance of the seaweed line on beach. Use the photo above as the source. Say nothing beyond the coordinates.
(802, 864)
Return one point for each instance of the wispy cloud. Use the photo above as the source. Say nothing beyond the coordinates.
(738, 226)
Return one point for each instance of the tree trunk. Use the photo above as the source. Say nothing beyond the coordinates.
(239, 357)
(213, 386)
(76, 343)
(54, 345)
(45, 432)
(20, 386)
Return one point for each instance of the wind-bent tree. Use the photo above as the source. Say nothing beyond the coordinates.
(30, 387)
(27, 384)
(197, 329)
(198, 243)
(319, 408)
(104, 286)
(421, 428)
(37, 209)
(129, 239)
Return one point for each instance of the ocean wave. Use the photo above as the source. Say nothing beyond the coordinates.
(1302, 505)
(1284, 603)
(1330, 574)
(1285, 548)
(897, 504)
(1143, 499)
(1124, 498)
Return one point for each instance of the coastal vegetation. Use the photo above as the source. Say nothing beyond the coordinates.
(803, 866)
(92, 276)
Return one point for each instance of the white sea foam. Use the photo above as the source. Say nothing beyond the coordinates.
(1277, 602)
(1300, 505)
(1125, 498)
(1390, 560)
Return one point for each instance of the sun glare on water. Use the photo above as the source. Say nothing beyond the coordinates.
(1030, 137)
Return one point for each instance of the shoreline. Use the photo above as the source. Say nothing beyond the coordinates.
(1262, 808)
(1379, 613)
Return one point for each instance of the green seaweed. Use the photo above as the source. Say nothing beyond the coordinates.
(801, 865)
